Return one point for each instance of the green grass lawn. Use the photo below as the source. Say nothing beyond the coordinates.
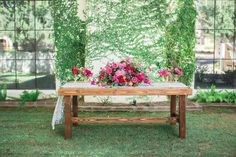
(27, 132)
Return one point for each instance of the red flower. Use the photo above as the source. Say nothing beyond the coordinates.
(87, 72)
(75, 70)
(101, 76)
(121, 80)
(127, 79)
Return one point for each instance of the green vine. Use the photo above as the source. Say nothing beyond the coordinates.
(157, 32)
(70, 36)
(180, 40)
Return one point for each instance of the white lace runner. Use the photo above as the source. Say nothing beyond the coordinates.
(58, 112)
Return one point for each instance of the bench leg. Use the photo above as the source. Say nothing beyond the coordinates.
(75, 109)
(182, 116)
(67, 114)
(173, 107)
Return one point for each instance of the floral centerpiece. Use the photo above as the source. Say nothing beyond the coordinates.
(76, 74)
(171, 73)
(123, 73)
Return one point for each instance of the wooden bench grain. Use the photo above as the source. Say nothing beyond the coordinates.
(176, 91)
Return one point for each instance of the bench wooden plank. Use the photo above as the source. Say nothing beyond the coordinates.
(156, 89)
(71, 90)
(125, 120)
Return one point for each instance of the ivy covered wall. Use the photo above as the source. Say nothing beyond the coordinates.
(70, 36)
(128, 27)
(158, 32)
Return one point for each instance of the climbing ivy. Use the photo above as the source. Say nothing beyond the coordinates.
(70, 36)
(129, 27)
(158, 32)
(180, 40)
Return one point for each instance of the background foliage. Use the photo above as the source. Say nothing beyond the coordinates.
(180, 40)
(150, 30)
(70, 36)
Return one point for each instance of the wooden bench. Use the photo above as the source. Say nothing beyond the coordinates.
(176, 91)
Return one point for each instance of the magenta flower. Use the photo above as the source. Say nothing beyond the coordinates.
(141, 76)
(134, 79)
(114, 65)
(108, 70)
(147, 81)
(87, 72)
(93, 82)
(116, 81)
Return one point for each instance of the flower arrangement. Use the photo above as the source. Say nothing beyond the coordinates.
(76, 74)
(171, 72)
(123, 73)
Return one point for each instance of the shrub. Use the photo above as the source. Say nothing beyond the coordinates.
(212, 96)
(27, 96)
(3, 92)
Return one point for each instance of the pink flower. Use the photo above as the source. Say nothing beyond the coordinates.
(108, 70)
(116, 81)
(122, 65)
(114, 65)
(134, 79)
(149, 69)
(178, 71)
(128, 60)
(147, 81)
(102, 70)
(114, 78)
(93, 82)
(120, 73)
(164, 73)
(141, 76)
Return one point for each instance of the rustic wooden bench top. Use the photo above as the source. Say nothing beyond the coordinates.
(165, 88)
(175, 90)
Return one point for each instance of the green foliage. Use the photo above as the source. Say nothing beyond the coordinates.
(128, 27)
(213, 96)
(28, 96)
(70, 36)
(180, 40)
(3, 92)
(156, 32)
